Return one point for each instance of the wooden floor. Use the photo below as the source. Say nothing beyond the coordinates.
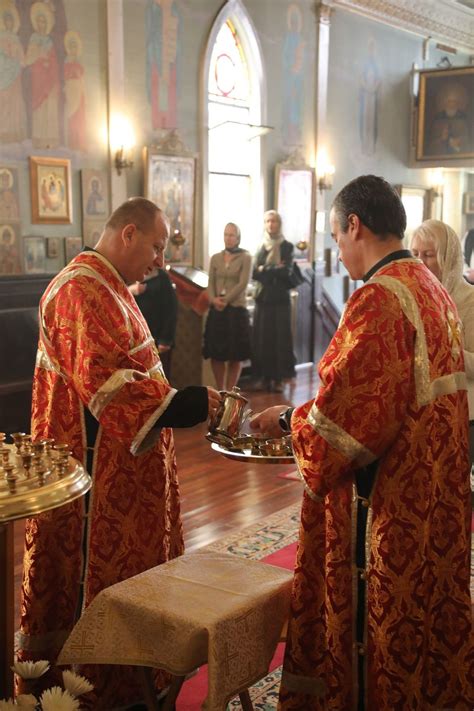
(219, 496)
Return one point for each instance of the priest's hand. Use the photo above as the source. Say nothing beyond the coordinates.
(266, 422)
(213, 401)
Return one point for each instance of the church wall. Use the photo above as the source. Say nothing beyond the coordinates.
(369, 99)
(73, 127)
(369, 102)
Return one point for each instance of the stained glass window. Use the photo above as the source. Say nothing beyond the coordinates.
(231, 154)
(228, 76)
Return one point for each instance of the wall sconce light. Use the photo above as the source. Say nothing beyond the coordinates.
(436, 180)
(122, 142)
(121, 162)
(324, 171)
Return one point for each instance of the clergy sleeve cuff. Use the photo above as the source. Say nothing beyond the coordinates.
(189, 407)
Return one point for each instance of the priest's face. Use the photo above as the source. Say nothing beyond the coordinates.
(349, 248)
(144, 250)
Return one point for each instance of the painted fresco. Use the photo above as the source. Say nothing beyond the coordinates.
(162, 35)
(369, 89)
(293, 76)
(12, 58)
(42, 95)
(75, 110)
(9, 200)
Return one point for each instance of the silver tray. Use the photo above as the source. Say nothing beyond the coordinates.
(247, 456)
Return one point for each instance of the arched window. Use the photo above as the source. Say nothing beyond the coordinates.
(233, 109)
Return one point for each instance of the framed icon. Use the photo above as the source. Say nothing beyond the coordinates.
(34, 255)
(445, 127)
(73, 245)
(295, 199)
(170, 183)
(50, 181)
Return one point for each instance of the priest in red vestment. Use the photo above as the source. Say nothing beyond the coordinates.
(99, 387)
(380, 616)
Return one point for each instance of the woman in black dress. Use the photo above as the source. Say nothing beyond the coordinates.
(227, 332)
(273, 357)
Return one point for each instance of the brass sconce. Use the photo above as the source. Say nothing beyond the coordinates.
(324, 171)
(121, 162)
(122, 142)
(436, 179)
(325, 180)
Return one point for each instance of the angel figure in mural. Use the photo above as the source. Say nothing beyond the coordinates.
(9, 208)
(12, 106)
(42, 59)
(449, 131)
(75, 112)
(293, 76)
(369, 87)
(162, 26)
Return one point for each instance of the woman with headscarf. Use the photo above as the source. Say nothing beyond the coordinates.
(439, 248)
(273, 357)
(227, 332)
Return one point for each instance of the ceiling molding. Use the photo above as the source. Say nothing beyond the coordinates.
(444, 20)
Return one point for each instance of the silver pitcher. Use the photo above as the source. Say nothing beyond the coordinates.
(230, 416)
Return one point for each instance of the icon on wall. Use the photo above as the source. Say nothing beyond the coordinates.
(50, 180)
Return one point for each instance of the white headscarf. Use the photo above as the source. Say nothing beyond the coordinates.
(448, 251)
(271, 243)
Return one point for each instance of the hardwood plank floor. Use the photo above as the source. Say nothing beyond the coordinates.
(219, 496)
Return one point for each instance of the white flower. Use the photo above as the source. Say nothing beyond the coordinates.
(56, 699)
(75, 683)
(31, 670)
(7, 705)
(26, 701)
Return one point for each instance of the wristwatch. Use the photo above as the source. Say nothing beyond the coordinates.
(284, 419)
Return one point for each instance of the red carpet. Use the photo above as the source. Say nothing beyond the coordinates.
(194, 690)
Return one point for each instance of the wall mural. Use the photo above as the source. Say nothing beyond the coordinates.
(293, 76)
(369, 89)
(42, 97)
(162, 64)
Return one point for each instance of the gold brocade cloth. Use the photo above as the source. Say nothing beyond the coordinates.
(201, 607)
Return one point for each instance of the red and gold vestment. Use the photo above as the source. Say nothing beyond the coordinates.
(96, 352)
(392, 401)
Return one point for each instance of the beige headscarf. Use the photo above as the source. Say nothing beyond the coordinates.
(272, 243)
(448, 251)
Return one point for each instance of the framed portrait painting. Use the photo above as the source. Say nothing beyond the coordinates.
(295, 197)
(34, 255)
(50, 181)
(445, 127)
(10, 260)
(169, 182)
(95, 194)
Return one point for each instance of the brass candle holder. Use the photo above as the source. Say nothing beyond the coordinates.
(36, 476)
